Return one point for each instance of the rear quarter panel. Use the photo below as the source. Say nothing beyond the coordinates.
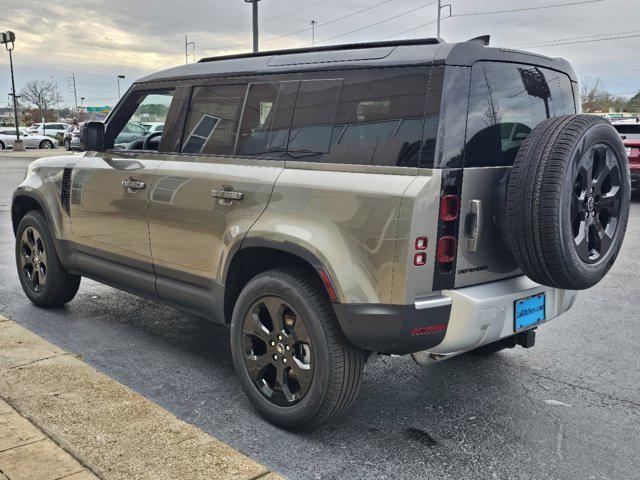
(346, 216)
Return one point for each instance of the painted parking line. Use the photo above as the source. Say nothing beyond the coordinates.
(111, 430)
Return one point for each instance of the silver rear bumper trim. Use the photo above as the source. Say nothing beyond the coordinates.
(433, 303)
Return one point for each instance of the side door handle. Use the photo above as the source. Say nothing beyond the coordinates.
(227, 193)
(476, 229)
(131, 184)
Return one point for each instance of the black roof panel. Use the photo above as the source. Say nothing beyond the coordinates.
(375, 54)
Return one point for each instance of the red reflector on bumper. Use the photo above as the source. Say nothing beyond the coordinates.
(428, 329)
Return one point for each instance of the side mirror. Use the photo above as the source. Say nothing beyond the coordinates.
(92, 136)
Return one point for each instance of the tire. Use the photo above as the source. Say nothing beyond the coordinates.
(67, 144)
(568, 200)
(335, 365)
(54, 286)
(1, 145)
(46, 144)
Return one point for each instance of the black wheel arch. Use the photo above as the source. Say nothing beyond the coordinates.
(256, 255)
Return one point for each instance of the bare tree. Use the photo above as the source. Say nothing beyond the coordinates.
(590, 91)
(41, 95)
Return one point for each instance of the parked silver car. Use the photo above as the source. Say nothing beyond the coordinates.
(8, 136)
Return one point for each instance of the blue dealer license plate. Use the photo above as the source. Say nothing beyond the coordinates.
(529, 311)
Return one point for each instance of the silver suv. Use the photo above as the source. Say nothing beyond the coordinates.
(411, 197)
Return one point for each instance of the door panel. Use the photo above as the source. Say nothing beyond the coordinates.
(107, 216)
(191, 230)
(483, 249)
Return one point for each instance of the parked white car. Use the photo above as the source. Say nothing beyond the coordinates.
(49, 129)
(153, 127)
(8, 136)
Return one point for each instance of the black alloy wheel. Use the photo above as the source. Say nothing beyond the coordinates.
(595, 204)
(277, 351)
(33, 259)
(292, 360)
(44, 279)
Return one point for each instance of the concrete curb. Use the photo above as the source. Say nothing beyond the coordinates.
(34, 153)
(114, 432)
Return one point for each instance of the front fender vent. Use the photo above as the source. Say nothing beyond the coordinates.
(65, 190)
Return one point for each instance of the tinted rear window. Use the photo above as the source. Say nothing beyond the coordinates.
(506, 102)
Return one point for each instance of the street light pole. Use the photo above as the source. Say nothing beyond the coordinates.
(313, 32)
(8, 39)
(255, 23)
(440, 7)
(119, 77)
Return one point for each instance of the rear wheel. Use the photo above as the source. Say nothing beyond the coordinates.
(46, 144)
(67, 144)
(293, 362)
(1, 145)
(43, 278)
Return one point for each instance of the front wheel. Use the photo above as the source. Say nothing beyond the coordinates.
(46, 144)
(67, 144)
(44, 280)
(1, 145)
(292, 360)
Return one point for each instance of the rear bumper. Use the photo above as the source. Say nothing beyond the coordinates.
(457, 321)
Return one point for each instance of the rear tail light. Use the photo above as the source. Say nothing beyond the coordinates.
(449, 208)
(446, 250)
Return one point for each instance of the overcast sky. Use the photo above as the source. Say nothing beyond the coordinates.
(97, 40)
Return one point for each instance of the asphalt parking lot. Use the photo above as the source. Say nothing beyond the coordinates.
(568, 408)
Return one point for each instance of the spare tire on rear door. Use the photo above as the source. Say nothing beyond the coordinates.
(568, 201)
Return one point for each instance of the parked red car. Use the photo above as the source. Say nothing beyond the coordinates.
(630, 134)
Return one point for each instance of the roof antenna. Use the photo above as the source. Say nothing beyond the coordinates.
(484, 39)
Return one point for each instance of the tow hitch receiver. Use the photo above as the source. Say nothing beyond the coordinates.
(527, 339)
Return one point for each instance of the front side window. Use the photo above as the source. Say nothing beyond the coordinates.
(212, 120)
(151, 107)
(506, 103)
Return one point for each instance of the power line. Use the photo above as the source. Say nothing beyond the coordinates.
(318, 25)
(414, 28)
(494, 12)
(585, 39)
(380, 22)
(268, 19)
(527, 9)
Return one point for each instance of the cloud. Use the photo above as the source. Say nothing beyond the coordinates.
(99, 39)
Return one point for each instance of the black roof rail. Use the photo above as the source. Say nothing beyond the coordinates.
(328, 48)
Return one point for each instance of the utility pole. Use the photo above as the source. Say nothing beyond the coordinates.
(75, 91)
(255, 24)
(440, 7)
(188, 44)
(313, 32)
(8, 39)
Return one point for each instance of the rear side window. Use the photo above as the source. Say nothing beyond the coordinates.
(257, 119)
(212, 120)
(313, 118)
(506, 103)
(369, 117)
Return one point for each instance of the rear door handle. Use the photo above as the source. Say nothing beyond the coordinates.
(476, 230)
(227, 194)
(133, 184)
